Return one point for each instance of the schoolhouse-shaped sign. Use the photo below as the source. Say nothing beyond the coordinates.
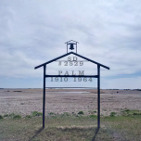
(71, 65)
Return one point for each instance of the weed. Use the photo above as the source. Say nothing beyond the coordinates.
(65, 114)
(92, 116)
(36, 113)
(92, 112)
(137, 113)
(28, 116)
(73, 113)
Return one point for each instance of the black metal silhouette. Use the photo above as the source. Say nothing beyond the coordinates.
(71, 46)
(92, 76)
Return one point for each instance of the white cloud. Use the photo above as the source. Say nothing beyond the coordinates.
(33, 32)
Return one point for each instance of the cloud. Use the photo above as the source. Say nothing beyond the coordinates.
(33, 32)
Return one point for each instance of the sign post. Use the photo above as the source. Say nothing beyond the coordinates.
(72, 64)
(44, 95)
(98, 96)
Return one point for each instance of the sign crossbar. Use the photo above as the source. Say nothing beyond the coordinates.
(94, 76)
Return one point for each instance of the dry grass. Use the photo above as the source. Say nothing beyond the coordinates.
(72, 128)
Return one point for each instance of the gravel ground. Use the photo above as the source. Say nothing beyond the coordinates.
(25, 101)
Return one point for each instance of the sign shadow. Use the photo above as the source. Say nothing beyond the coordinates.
(36, 133)
(95, 134)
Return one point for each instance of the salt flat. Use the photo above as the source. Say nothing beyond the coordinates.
(25, 101)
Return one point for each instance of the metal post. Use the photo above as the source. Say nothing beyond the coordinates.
(44, 96)
(67, 47)
(76, 47)
(98, 96)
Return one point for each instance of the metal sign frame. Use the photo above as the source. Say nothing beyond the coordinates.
(44, 65)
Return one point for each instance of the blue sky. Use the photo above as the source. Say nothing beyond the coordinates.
(33, 32)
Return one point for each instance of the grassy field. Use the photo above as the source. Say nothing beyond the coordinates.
(74, 127)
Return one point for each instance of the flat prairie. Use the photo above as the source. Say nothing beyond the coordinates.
(25, 101)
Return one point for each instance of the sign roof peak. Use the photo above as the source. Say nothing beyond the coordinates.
(71, 41)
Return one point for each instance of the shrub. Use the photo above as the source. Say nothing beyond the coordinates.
(81, 113)
(137, 113)
(51, 114)
(128, 112)
(1, 117)
(11, 115)
(17, 117)
(112, 114)
(6, 115)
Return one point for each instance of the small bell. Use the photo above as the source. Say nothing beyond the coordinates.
(71, 47)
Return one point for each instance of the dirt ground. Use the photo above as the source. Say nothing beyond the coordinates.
(25, 101)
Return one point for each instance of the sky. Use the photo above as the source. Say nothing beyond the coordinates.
(35, 31)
